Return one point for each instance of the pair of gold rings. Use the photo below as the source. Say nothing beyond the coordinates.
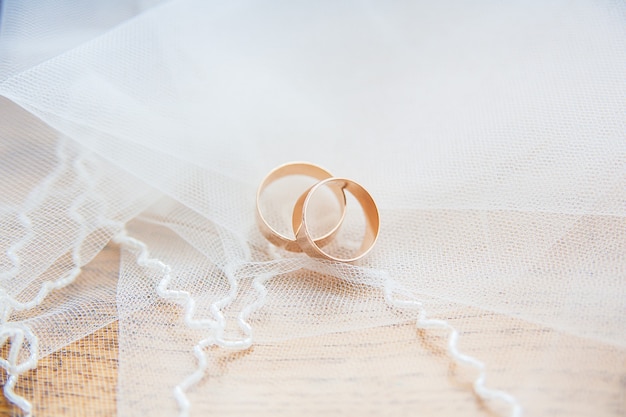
(304, 241)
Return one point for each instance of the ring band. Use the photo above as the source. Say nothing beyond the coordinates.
(296, 168)
(372, 219)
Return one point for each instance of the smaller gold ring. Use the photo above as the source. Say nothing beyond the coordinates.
(370, 211)
(296, 168)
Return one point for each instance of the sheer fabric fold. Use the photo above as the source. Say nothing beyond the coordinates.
(491, 135)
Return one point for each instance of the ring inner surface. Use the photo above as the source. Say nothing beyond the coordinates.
(275, 200)
(302, 217)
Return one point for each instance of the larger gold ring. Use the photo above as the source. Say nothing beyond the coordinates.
(370, 211)
(296, 168)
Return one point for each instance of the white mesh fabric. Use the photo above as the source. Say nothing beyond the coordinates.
(491, 136)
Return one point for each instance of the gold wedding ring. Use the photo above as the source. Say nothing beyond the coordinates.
(296, 168)
(300, 221)
(304, 241)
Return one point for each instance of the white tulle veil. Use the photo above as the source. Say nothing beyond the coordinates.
(491, 134)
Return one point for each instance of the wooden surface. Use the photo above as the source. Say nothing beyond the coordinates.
(574, 376)
(81, 378)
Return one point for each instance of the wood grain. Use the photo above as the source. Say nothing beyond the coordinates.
(368, 372)
(81, 378)
(78, 380)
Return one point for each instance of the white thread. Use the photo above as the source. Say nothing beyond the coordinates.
(182, 298)
(231, 271)
(15, 399)
(49, 286)
(33, 199)
(17, 333)
(179, 390)
(239, 345)
(7, 302)
(10, 304)
(242, 344)
(186, 301)
(424, 322)
(257, 284)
